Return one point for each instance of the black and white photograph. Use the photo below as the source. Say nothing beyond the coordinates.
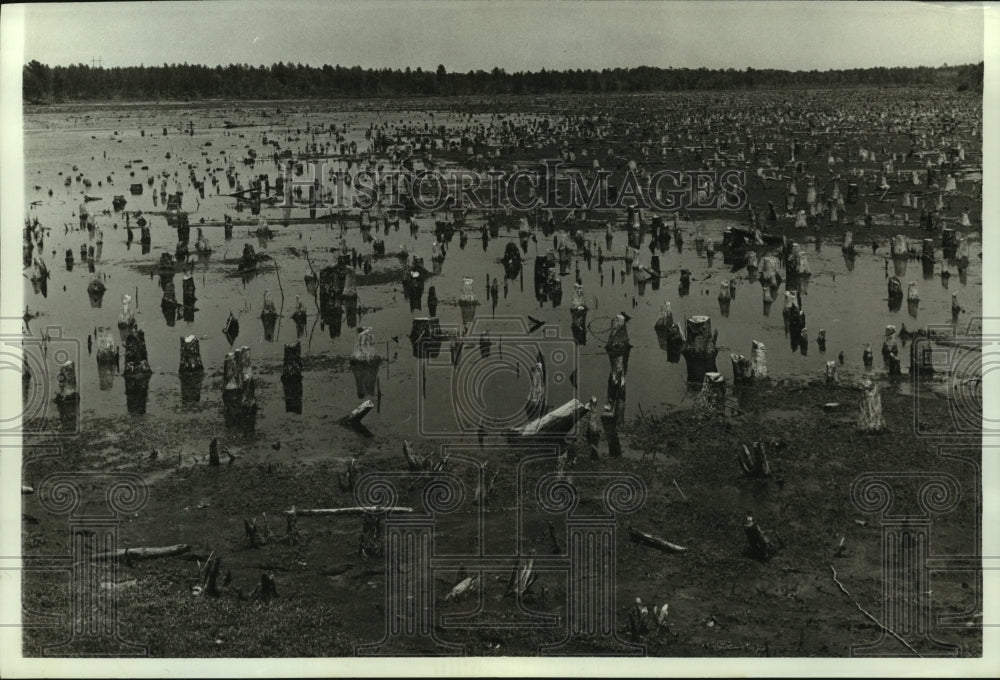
(527, 337)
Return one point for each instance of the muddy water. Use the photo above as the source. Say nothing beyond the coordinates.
(847, 300)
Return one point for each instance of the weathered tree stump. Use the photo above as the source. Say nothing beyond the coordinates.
(187, 290)
(927, 250)
(700, 349)
(268, 587)
(616, 389)
(870, 418)
(467, 301)
(741, 369)
(899, 247)
(759, 546)
(291, 367)
(95, 291)
(425, 337)
(365, 362)
(610, 426)
(268, 316)
(190, 355)
(831, 372)
(758, 360)
(867, 357)
(67, 390)
(712, 398)
(578, 315)
(535, 405)
(618, 344)
(753, 460)
(107, 349)
(238, 392)
(769, 275)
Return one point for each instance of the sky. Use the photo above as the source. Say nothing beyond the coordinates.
(511, 34)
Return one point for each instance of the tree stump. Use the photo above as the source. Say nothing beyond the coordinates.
(616, 389)
(741, 369)
(168, 304)
(870, 417)
(769, 271)
(268, 316)
(190, 355)
(759, 546)
(610, 426)
(467, 301)
(535, 405)
(831, 372)
(425, 337)
(758, 360)
(291, 367)
(700, 349)
(268, 587)
(238, 391)
(618, 345)
(212, 569)
(67, 390)
(365, 362)
(578, 315)
(107, 349)
(927, 250)
(187, 290)
(712, 398)
(899, 246)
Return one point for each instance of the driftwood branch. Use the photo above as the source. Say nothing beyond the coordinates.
(144, 553)
(654, 541)
(872, 618)
(360, 510)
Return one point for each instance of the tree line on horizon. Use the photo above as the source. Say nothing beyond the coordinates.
(44, 84)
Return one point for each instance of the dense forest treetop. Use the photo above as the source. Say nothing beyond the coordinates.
(43, 84)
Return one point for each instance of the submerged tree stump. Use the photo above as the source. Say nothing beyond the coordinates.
(700, 349)
(618, 345)
(831, 373)
(238, 392)
(578, 315)
(190, 355)
(758, 360)
(467, 301)
(425, 337)
(107, 349)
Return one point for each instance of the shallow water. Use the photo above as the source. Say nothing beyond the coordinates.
(848, 302)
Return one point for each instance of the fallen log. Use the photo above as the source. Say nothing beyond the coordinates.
(357, 415)
(559, 420)
(359, 510)
(654, 541)
(144, 553)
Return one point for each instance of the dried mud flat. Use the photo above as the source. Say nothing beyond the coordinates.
(331, 599)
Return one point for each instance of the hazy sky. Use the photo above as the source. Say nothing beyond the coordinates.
(513, 34)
